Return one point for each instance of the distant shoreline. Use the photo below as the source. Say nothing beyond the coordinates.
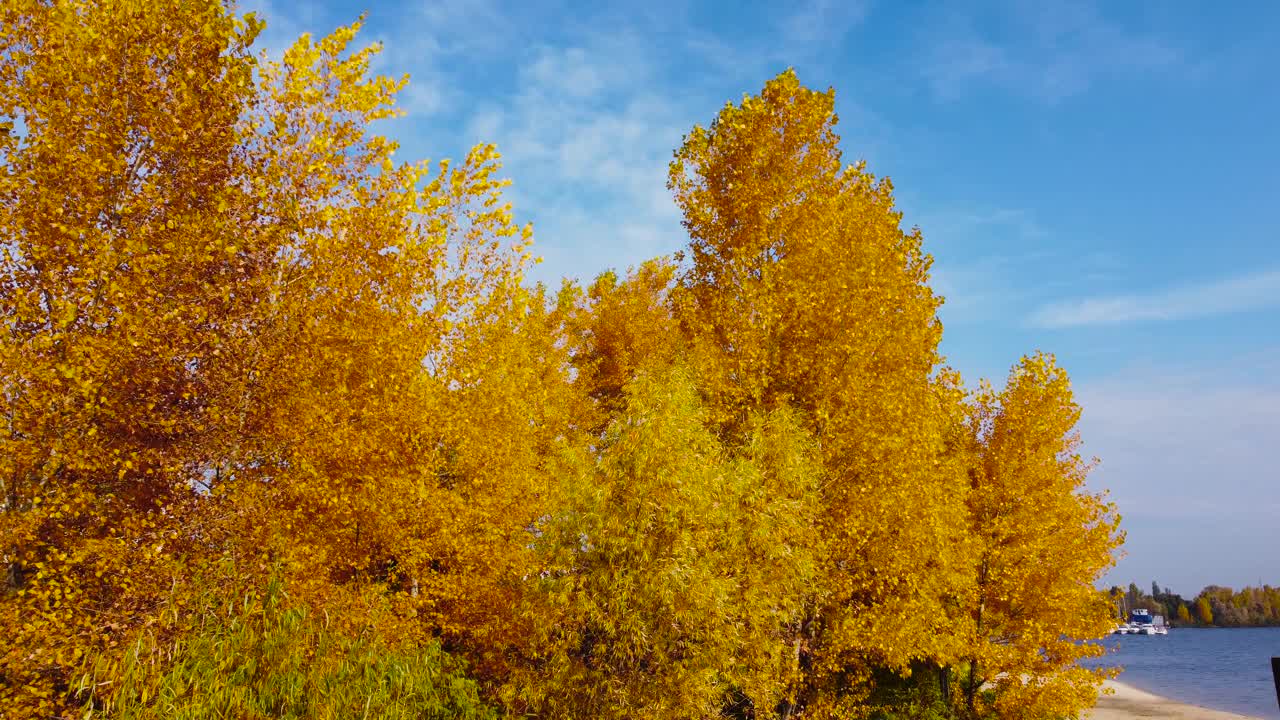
(1130, 703)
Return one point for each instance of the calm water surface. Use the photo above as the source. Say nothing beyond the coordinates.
(1227, 669)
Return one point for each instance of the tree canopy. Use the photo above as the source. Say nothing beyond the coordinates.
(289, 434)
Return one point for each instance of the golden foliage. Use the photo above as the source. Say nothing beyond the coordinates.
(618, 329)
(240, 340)
(1204, 612)
(1041, 540)
(668, 554)
(803, 290)
(235, 326)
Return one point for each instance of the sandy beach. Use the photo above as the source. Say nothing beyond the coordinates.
(1128, 703)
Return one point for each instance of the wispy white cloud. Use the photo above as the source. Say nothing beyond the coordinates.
(460, 26)
(285, 23)
(587, 143)
(431, 41)
(979, 255)
(970, 222)
(975, 289)
(579, 113)
(961, 59)
(1188, 458)
(1050, 51)
(1238, 294)
(807, 33)
(818, 22)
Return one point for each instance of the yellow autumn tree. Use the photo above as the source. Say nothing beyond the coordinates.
(619, 327)
(1184, 615)
(234, 326)
(803, 290)
(669, 565)
(1204, 611)
(1042, 540)
(126, 290)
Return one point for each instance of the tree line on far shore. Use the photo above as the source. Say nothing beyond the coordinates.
(1214, 606)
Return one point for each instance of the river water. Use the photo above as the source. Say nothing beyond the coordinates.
(1225, 669)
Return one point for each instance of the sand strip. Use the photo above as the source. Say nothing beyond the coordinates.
(1129, 702)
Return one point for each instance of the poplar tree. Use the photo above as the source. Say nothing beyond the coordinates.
(1042, 539)
(803, 290)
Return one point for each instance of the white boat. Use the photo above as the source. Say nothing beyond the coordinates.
(1142, 622)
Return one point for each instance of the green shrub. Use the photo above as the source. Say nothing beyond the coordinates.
(270, 658)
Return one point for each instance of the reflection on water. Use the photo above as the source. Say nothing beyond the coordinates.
(1227, 669)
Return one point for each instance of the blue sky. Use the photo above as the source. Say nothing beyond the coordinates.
(1098, 180)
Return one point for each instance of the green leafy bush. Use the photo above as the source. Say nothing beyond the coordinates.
(268, 657)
